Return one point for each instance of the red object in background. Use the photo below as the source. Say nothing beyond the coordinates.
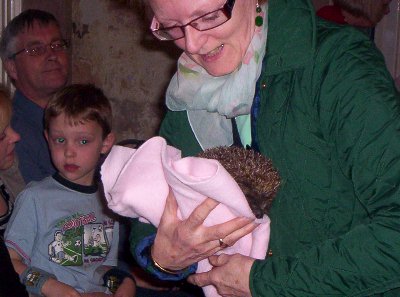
(331, 13)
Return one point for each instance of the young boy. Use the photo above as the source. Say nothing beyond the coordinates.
(61, 239)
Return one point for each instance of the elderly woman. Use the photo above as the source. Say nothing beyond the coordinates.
(318, 100)
(9, 285)
(8, 137)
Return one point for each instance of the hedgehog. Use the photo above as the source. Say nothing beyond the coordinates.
(253, 172)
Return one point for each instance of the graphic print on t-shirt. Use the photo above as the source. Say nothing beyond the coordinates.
(80, 240)
(61, 251)
(95, 241)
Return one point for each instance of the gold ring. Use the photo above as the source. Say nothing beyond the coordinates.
(222, 244)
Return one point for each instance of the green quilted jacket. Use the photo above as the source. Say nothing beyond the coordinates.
(330, 121)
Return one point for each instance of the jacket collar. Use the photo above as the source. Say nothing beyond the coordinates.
(291, 35)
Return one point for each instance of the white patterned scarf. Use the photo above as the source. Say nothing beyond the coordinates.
(212, 101)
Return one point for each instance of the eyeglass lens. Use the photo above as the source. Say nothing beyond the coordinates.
(205, 22)
(40, 49)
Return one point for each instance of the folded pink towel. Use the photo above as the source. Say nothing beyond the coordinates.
(137, 182)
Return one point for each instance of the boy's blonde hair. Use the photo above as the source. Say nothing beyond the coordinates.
(5, 108)
(80, 103)
(369, 9)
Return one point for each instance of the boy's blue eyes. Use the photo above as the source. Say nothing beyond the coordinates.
(62, 140)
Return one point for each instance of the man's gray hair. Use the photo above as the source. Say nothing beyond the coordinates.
(21, 22)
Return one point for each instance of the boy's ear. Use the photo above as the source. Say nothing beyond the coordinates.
(46, 135)
(108, 142)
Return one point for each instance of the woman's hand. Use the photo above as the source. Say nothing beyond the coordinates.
(179, 244)
(230, 275)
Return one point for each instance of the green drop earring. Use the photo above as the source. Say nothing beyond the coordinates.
(259, 19)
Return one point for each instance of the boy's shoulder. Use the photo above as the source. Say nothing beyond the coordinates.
(39, 184)
(33, 187)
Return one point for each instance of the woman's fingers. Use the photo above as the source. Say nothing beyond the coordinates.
(171, 205)
(179, 244)
(222, 235)
(232, 230)
(218, 260)
(170, 210)
(201, 212)
(233, 237)
(230, 275)
(205, 278)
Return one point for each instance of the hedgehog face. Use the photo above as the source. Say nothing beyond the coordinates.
(253, 172)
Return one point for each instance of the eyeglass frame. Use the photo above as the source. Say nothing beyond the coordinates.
(51, 45)
(227, 9)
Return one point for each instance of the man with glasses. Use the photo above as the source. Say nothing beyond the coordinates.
(36, 59)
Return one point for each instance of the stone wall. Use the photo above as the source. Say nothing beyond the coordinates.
(113, 49)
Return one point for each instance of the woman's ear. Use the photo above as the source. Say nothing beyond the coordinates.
(108, 142)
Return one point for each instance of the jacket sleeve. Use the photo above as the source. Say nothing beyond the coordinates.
(139, 231)
(363, 126)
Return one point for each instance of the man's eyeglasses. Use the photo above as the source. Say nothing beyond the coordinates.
(40, 48)
(203, 23)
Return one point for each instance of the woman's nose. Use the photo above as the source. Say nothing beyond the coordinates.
(13, 136)
(194, 40)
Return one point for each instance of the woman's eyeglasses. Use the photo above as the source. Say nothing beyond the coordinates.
(203, 23)
(41, 48)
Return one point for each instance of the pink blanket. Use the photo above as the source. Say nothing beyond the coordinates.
(136, 185)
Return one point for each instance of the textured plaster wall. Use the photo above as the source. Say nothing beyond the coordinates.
(112, 48)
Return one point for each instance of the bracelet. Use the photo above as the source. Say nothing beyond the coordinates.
(158, 266)
(114, 277)
(34, 278)
(142, 254)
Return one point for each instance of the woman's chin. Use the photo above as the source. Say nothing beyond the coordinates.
(219, 71)
(220, 65)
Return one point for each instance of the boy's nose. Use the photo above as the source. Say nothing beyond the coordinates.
(69, 151)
